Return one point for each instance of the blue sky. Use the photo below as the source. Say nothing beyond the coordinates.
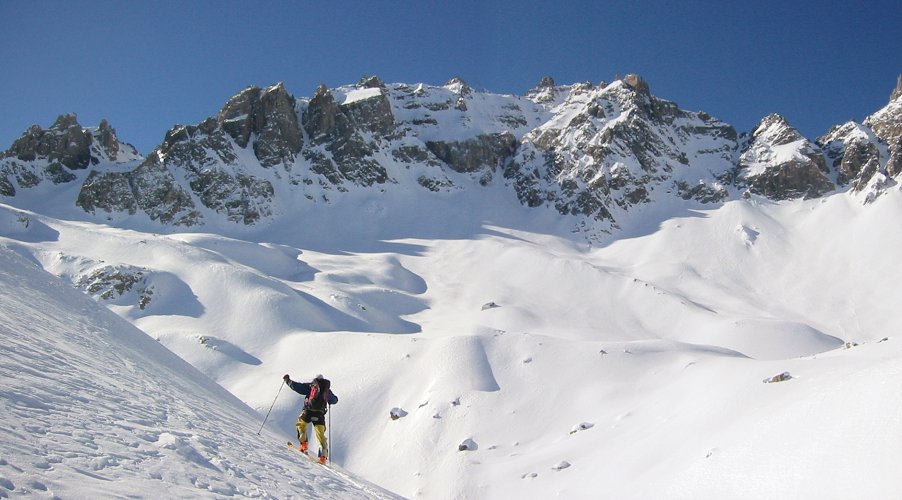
(147, 65)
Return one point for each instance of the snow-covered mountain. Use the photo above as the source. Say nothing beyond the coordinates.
(600, 153)
(576, 292)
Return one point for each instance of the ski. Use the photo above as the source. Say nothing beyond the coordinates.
(312, 459)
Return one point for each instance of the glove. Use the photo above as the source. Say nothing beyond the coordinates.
(286, 378)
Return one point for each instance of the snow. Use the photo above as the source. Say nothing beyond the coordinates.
(94, 408)
(435, 115)
(355, 95)
(632, 368)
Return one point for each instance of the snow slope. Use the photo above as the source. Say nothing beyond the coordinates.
(94, 408)
(633, 369)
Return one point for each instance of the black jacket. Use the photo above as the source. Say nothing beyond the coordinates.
(303, 388)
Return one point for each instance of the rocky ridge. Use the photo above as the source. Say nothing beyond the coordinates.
(779, 163)
(57, 153)
(597, 152)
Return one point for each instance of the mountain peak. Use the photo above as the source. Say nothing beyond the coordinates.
(776, 129)
(371, 82)
(65, 142)
(261, 113)
(458, 86)
(65, 121)
(545, 83)
(897, 92)
(637, 83)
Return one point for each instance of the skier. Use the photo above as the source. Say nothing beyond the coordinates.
(317, 398)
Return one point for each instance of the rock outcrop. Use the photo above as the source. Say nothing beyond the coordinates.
(887, 125)
(342, 130)
(267, 115)
(610, 148)
(59, 153)
(482, 153)
(897, 92)
(201, 165)
(853, 151)
(595, 152)
(779, 163)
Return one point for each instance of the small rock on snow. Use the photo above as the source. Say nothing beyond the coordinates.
(467, 445)
(778, 378)
(563, 464)
(581, 427)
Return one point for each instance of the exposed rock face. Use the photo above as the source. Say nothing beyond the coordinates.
(323, 117)
(481, 153)
(781, 164)
(595, 152)
(206, 156)
(544, 92)
(340, 128)
(151, 188)
(112, 282)
(854, 153)
(268, 116)
(59, 153)
(209, 162)
(897, 92)
(65, 142)
(607, 149)
(636, 82)
(887, 125)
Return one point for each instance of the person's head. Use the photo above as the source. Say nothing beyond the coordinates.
(319, 376)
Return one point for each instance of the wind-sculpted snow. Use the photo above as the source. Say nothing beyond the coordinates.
(93, 408)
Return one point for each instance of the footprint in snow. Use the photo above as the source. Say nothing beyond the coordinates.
(563, 464)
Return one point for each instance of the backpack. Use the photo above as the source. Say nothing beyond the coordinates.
(319, 394)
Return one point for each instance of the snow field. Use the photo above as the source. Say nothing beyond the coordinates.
(94, 408)
(652, 346)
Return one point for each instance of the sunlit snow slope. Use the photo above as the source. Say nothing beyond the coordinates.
(94, 408)
(630, 369)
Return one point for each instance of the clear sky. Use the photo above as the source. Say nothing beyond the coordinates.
(147, 65)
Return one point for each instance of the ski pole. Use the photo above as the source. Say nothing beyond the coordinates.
(329, 447)
(270, 407)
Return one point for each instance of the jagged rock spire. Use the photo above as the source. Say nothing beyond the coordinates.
(897, 92)
(546, 82)
(637, 82)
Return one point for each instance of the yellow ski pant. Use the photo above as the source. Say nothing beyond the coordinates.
(319, 429)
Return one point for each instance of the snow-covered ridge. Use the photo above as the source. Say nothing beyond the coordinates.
(596, 153)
